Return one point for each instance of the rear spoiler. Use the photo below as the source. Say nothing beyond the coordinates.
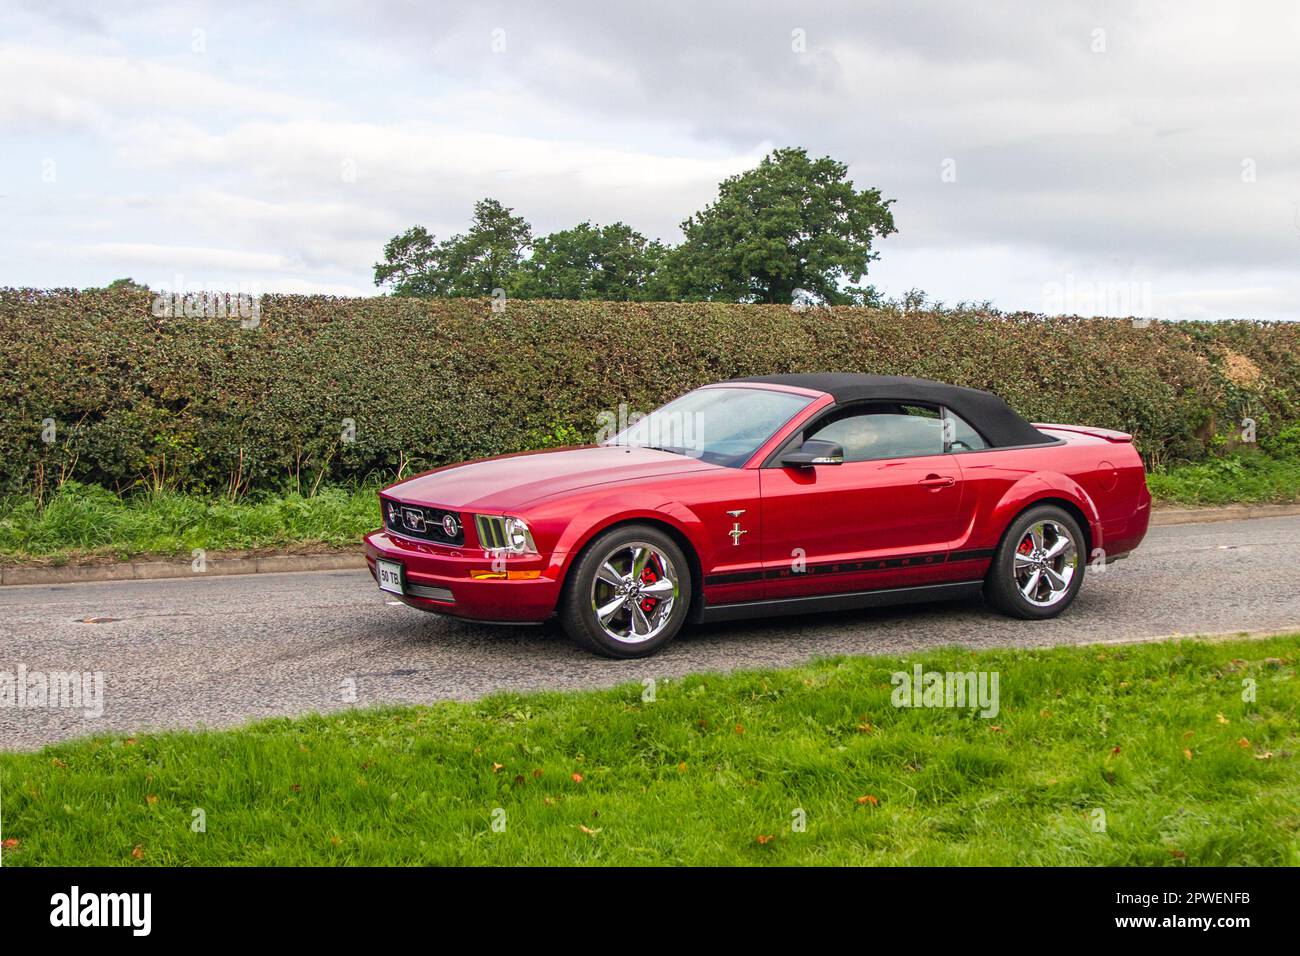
(1119, 438)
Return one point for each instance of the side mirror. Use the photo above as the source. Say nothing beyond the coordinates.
(814, 452)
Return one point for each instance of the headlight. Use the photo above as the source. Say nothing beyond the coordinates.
(503, 533)
(518, 538)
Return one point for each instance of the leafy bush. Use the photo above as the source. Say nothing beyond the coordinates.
(206, 404)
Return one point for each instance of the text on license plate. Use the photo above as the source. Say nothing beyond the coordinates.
(389, 574)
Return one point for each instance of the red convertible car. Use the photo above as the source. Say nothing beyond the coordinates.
(764, 496)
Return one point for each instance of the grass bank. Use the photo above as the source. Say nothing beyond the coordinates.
(88, 521)
(1235, 479)
(1124, 755)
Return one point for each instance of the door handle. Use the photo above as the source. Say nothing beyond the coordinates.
(938, 481)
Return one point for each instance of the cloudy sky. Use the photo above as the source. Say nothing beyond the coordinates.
(1094, 157)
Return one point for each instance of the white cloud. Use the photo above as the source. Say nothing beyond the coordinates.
(297, 142)
(62, 88)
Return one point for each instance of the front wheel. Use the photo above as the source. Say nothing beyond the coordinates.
(1037, 570)
(628, 594)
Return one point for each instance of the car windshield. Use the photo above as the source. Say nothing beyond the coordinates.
(723, 426)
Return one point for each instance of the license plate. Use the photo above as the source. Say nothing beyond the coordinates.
(389, 574)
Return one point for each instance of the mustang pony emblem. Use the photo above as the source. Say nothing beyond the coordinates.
(414, 520)
(736, 530)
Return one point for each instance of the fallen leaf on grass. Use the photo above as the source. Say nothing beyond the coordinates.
(874, 801)
(1243, 743)
(1266, 755)
(764, 839)
(138, 852)
(1187, 754)
(1178, 854)
(151, 799)
(588, 830)
(577, 778)
(10, 844)
(1220, 718)
(497, 767)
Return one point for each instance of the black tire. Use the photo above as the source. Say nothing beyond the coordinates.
(578, 616)
(1002, 589)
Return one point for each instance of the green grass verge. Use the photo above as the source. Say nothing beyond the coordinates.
(717, 769)
(89, 520)
(1234, 479)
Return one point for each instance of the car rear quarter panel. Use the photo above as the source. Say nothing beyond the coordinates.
(1104, 480)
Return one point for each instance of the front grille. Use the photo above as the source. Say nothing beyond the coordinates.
(433, 594)
(421, 522)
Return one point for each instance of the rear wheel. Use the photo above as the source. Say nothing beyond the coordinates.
(628, 594)
(1038, 569)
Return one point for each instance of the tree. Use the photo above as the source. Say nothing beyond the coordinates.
(475, 263)
(488, 256)
(790, 224)
(613, 262)
(411, 263)
(127, 283)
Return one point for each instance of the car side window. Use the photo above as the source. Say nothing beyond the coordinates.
(958, 434)
(883, 430)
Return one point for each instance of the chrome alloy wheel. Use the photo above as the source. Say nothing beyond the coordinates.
(1047, 559)
(633, 592)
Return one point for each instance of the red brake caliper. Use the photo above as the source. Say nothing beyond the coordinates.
(648, 576)
(1026, 545)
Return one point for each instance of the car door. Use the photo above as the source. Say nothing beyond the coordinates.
(884, 518)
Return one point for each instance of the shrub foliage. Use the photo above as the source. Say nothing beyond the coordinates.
(334, 389)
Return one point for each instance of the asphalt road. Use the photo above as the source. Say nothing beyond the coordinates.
(224, 650)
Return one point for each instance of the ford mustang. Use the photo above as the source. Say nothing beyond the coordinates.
(764, 496)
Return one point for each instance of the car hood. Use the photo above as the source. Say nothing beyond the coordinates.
(511, 481)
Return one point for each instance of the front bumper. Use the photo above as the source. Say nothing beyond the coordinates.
(438, 578)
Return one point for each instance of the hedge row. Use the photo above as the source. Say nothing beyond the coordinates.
(208, 403)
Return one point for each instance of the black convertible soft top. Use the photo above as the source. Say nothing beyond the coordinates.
(989, 415)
